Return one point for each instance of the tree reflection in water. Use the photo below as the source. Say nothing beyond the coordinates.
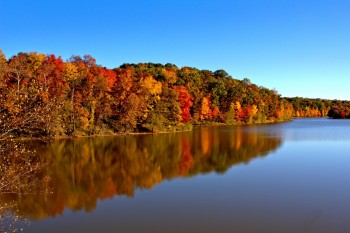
(85, 170)
(21, 173)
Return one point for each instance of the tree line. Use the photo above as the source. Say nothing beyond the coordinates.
(304, 107)
(42, 95)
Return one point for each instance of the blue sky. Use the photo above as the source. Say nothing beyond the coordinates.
(299, 47)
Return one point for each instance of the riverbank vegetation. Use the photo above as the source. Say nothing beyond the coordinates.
(44, 96)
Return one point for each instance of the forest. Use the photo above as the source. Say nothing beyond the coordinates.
(44, 96)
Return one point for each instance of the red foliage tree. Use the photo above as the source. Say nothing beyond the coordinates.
(185, 100)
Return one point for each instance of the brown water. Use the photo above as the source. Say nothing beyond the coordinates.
(290, 177)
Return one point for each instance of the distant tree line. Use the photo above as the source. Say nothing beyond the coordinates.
(42, 95)
(304, 107)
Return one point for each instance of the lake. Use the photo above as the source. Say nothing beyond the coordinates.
(287, 177)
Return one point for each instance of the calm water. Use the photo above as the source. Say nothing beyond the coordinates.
(290, 177)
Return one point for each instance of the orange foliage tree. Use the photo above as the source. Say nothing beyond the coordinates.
(185, 100)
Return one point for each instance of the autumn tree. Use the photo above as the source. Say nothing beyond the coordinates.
(125, 105)
(23, 107)
(102, 99)
(169, 73)
(206, 112)
(166, 113)
(19, 71)
(71, 76)
(128, 113)
(149, 90)
(3, 69)
(48, 72)
(185, 100)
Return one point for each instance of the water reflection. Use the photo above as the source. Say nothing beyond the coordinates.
(317, 129)
(85, 170)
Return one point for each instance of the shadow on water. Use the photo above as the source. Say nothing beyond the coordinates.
(85, 170)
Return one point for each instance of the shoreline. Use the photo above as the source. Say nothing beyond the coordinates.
(48, 139)
(90, 136)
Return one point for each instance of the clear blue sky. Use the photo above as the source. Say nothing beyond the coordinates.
(299, 47)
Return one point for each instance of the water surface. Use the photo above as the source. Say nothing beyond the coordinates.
(289, 177)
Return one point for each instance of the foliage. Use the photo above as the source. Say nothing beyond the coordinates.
(41, 95)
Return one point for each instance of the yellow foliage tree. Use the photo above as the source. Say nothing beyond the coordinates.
(206, 112)
(170, 75)
(151, 86)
